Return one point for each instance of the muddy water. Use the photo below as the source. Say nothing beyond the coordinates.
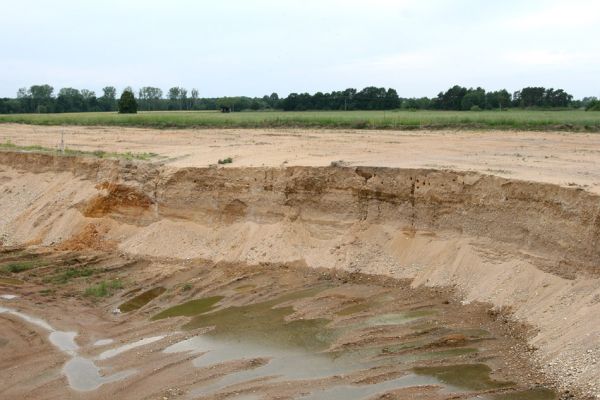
(82, 373)
(468, 376)
(141, 300)
(297, 350)
(190, 308)
(533, 394)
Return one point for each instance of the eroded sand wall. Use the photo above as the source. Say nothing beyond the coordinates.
(561, 226)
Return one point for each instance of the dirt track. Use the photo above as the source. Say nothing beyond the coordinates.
(567, 159)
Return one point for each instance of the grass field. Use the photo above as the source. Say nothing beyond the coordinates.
(570, 120)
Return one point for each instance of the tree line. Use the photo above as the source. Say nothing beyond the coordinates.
(42, 99)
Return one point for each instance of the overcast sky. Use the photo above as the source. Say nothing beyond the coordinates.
(255, 47)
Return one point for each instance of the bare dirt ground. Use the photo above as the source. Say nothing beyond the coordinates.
(566, 159)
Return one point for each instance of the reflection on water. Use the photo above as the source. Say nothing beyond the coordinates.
(297, 350)
(532, 394)
(467, 376)
(190, 308)
(356, 392)
(82, 374)
(141, 300)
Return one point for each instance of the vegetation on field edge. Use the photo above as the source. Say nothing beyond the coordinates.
(8, 145)
(401, 120)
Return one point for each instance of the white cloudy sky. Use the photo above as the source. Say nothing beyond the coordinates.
(255, 47)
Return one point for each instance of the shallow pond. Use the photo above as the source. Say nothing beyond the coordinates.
(141, 300)
(297, 349)
(190, 308)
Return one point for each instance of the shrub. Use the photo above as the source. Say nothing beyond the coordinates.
(20, 266)
(475, 108)
(593, 106)
(72, 273)
(227, 160)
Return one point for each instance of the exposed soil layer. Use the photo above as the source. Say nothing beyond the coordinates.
(528, 249)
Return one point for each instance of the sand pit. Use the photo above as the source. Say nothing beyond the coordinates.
(519, 248)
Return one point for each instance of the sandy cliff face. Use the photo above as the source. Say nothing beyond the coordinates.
(528, 246)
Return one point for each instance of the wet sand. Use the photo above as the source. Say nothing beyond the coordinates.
(267, 332)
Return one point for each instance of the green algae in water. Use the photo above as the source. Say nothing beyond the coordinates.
(265, 324)
(297, 350)
(399, 318)
(190, 308)
(476, 333)
(466, 376)
(245, 288)
(10, 281)
(532, 394)
(461, 351)
(142, 299)
(353, 309)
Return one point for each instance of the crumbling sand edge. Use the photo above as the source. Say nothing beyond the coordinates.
(527, 246)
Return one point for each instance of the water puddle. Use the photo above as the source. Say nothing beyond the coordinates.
(245, 288)
(353, 309)
(434, 355)
(103, 342)
(82, 374)
(141, 300)
(10, 281)
(32, 320)
(531, 394)
(190, 308)
(8, 296)
(356, 392)
(466, 376)
(296, 349)
(65, 341)
(261, 331)
(398, 318)
(265, 324)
